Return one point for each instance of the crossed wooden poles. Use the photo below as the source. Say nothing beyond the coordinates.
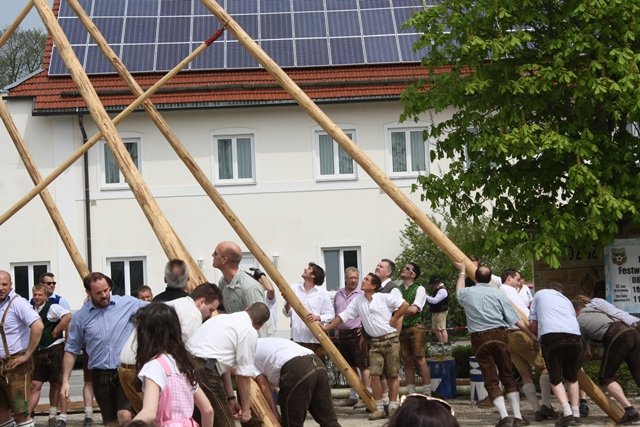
(169, 240)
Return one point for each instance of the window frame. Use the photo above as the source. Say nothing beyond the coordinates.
(127, 275)
(336, 176)
(31, 279)
(126, 137)
(389, 129)
(234, 134)
(341, 248)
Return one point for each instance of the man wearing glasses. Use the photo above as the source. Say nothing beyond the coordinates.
(49, 280)
(412, 335)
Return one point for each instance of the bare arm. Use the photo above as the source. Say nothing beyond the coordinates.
(244, 394)
(333, 324)
(267, 392)
(525, 328)
(533, 326)
(205, 408)
(149, 402)
(34, 338)
(62, 326)
(461, 277)
(397, 315)
(68, 361)
(268, 286)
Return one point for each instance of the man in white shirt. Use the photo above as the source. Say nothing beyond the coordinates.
(553, 319)
(47, 359)
(224, 342)
(525, 353)
(301, 378)
(198, 307)
(524, 292)
(380, 314)
(316, 300)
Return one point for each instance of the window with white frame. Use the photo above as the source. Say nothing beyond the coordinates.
(234, 161)
(336, 260)
(332, 161)
(127, 274)
(407, 152)
(25, 274)
(112, 176)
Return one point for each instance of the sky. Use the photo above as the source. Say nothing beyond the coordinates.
(9, 10)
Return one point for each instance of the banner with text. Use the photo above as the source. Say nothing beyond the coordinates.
(622, 263)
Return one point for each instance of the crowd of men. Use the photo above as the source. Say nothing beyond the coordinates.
(377, 323)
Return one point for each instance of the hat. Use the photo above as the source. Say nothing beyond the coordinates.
(435, 279)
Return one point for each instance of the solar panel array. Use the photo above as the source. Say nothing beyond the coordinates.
(154, 35)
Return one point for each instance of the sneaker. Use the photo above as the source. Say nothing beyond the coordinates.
(350, 402)
(61, 423)
(568, 420)
(88, 422)
(359, 405)
(378, 415)
(629, 416)
(485, 403)
(505, 422)
(583, 408)
(546, 413)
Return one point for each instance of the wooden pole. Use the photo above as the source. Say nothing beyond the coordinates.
(156, 117)
(167, 237)
(16, 23)
(96, 137)
(260, 407)
(48, 201)
(597, 395)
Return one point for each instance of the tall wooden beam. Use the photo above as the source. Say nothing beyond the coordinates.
(48, 201)
(16, 23)
(167, 237)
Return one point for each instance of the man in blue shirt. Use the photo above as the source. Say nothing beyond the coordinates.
(102, 326)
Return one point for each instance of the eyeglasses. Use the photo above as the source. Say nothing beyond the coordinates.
(428, 398)
(50, 283)
(408, 268)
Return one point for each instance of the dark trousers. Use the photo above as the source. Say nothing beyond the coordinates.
(213, 387)
(304, 384)
(622, 344)
(109, 394)
(491, 349)
(563, 355)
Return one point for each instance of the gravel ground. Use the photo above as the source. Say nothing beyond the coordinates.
(466, 412)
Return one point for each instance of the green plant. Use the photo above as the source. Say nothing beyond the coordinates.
(462, 353)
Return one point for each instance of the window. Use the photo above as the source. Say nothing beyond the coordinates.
(336, 260)
(332, 161)
(112, 177)
(128, 274)
(408, 152)
(25, 275)
(233, 159)
(248, 261)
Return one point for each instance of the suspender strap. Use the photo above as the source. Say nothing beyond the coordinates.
(4, 336)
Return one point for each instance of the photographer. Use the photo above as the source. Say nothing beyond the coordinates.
(269, 293)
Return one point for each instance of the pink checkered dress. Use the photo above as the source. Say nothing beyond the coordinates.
(175, 408)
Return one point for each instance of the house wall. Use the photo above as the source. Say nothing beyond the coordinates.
(287, 210)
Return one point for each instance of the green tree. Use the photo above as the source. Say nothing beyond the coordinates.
(21, 54)
(544, 132)
(470, 237)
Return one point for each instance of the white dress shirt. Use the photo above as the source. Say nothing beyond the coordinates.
(516, 301)
(375, 315)
(318, 301)
(271, 355)
(554, 313)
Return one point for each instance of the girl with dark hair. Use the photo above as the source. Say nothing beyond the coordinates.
(166, 371)
(418, 410)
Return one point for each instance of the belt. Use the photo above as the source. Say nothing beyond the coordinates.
(384, 337)
(489, 331)
(127, 366)
(104, 371)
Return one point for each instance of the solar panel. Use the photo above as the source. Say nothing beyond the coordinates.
(154, 35)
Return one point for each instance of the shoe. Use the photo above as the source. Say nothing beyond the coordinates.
(583, 408)
(88, 422)
(629, 416)
(520, 422)
(568, 420)
(386, 409)
(378, 415)
(546, 413)
(505, 422)
(53, 421)
(392, 409)
(485, 403)
(359, 405)
(350, 402)
(61, 423)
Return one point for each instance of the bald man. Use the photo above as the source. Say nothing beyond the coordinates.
(239, 290)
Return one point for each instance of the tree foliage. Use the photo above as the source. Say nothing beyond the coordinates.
(21, 54)
(544, 135)
(469, 236)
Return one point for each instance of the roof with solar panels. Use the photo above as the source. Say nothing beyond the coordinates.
(336, 50)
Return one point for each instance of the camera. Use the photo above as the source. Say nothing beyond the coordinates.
(256, 273)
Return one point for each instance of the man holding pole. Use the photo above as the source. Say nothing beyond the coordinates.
(380, 314)
(489, 314)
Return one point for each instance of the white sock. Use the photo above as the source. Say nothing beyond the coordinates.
(498, 402)
(385, 398)
(575, 410)
(514, 401)
(53, 411)
(545, 390)
(532, 397)
(88, 411)
(353, 394)
(29, 423)
(411, 388)
(380, 405)
(566, 410)
(426, 389)
(62, 417)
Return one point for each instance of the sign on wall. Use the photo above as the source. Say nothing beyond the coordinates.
(622, 263)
